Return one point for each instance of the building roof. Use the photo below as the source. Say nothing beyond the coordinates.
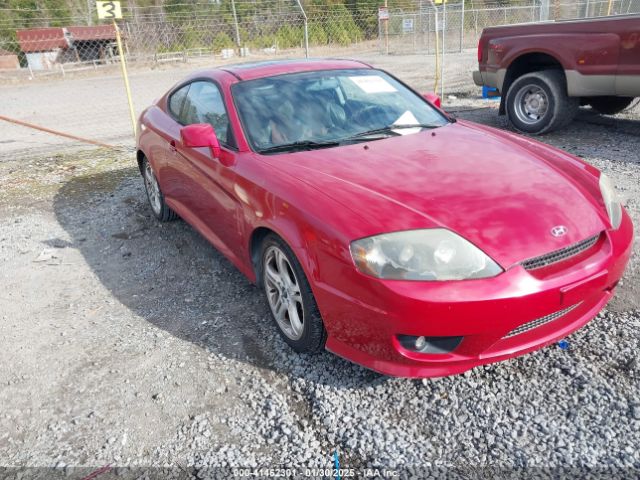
(47, 39)
(42, 39)
(95, 32)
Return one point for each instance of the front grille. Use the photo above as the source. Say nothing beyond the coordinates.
(559, 255)
(525, 327)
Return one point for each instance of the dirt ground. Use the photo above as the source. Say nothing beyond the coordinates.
(132, 344)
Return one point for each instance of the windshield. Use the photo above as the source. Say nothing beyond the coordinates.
(329, 108)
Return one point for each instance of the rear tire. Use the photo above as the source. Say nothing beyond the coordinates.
(610, 105)
(156, 199)
(538, 102)
(292, 304)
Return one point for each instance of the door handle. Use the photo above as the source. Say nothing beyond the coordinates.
(172, 146)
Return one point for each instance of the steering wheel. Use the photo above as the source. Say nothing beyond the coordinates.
(368, 111)
(337, 115)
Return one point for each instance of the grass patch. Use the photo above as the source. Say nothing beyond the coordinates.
(26, 182)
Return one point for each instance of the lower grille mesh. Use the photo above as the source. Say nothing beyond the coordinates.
(525, 327)
(559, 255)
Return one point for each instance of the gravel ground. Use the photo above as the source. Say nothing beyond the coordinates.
(130, 344)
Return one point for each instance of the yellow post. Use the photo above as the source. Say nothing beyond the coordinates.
(609, 9)
(125, 76)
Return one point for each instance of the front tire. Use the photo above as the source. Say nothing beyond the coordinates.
(610, 105)
(156, 199)
(538, 102)
(293, 307)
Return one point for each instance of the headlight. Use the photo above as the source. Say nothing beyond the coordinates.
(434, 254)
(611, 202)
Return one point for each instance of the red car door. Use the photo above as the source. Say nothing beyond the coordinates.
(200, 183)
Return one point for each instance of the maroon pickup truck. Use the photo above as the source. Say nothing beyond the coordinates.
(545, 71)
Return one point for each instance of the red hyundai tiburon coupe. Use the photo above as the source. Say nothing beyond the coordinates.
(379, 227)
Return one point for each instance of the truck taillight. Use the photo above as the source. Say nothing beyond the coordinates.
(480, 51)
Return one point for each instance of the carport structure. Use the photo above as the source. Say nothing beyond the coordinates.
(46, 47)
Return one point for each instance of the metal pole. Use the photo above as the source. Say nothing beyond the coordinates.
(435, 85)
(386, 28)
(609, 8)
(235, 21)
(544, 10)
(123, 65)
(89, 12)
(462, 28)
(306, 30)
(444, 27)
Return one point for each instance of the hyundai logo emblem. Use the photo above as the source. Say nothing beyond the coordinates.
(559, 231)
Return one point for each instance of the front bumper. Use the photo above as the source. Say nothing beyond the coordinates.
(364, 317)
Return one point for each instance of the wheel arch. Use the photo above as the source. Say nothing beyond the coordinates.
(527, 63)
(297, 234)
(140, 156)
(255, 242)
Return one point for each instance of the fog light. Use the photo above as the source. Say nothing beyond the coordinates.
(433, 345)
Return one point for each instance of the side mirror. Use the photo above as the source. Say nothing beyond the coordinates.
(433, 98)
(200, 135)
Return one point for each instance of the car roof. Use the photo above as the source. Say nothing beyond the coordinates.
(251, 70)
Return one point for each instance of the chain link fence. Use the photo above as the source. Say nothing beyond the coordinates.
(45, 42)
(415, 31)
(42, 42)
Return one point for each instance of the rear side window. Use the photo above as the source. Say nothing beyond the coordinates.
(204, 104)
(176, 100)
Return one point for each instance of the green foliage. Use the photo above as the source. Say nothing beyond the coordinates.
(288, 36)
(261, 41)
(337, 24)
(191, 37)
(317, 34)
(221, 41)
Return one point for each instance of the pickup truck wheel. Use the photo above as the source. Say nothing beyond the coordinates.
(538, 102)
(610, 105)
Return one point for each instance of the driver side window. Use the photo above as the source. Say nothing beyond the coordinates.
(203, 103)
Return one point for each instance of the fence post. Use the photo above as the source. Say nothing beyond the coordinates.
(444, 31)
(306, 30)
(437, 50)
(386, 28)
(125, 76)
(544, 10)
(89, 12)
(235, 21)
(462, 28)
(475, 20)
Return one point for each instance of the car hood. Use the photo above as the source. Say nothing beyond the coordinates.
(499, 193)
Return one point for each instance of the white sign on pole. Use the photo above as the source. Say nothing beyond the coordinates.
(383, 13)
(407, 25)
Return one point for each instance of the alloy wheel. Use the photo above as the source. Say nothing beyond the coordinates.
(283, 293)
(153, 189)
